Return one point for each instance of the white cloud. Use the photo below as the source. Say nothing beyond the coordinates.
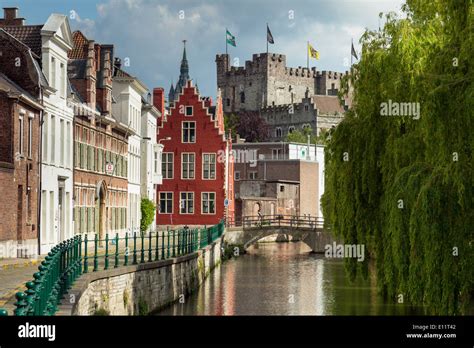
(150, 33)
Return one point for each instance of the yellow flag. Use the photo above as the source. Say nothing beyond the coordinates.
(312, 52)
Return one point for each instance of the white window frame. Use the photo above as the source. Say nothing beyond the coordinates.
(186, 108)
(31, 117)
(208, 200)
(165, 164)
(209, 165)
(188, 167)
(253, 175)
(237, 175)
(189, 134)
(166, 199)
(186, 200)
(21, 133)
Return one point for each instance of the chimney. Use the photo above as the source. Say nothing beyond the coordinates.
(207, 102)
(10, 17)
(117, 65)
(159, 99)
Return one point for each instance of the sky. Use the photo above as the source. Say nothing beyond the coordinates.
(148, 33)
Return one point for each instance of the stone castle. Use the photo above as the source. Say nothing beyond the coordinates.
(287, 98)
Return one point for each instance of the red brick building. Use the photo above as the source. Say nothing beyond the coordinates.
(21, 83)
(99, 139)
(197, 177)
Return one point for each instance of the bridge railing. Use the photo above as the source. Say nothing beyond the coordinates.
(278, 220)
(67, 261)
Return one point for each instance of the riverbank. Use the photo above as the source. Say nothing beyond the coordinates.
(143, 288)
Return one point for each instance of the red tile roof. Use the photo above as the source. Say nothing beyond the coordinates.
(30, 35)
(81, 44)
(327, 104)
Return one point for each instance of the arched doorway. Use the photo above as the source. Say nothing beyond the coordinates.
(101, 212)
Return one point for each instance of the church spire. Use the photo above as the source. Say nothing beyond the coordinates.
(184, 72)
(184, 63)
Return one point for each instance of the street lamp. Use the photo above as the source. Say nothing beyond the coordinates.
(165, 139)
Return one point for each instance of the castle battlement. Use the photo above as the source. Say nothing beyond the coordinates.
(266, 81)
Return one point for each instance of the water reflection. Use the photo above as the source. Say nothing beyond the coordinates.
(285, 279)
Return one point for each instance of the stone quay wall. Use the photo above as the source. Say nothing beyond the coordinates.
(143, 288)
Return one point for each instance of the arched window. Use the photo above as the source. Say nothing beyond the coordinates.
(278, 132)
(306, 126)
(242, 97)
(291, 129)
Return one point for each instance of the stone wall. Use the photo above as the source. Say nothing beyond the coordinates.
(145, 287)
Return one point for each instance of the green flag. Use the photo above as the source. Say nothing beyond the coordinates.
(230, 38)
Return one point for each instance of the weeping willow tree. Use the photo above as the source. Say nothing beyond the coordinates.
(403, 185)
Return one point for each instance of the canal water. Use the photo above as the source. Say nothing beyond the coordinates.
(285, 279)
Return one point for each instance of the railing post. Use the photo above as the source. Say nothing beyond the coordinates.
(135, 248)
(106, 261)
(157, 254)
(116, 250)
(174, 243)
(179, 242)
(162, 245)
(30, 298)
(96, 260)
(168, 250)
(149, 247)
(86, 259)
(142, 254)
(125, 257)
(20, 304)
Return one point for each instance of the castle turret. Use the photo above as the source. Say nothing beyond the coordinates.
(222, 64)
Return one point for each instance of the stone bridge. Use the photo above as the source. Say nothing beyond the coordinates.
(307, 230)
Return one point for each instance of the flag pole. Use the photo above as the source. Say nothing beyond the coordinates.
(226, 41)
(267, 38)
(351, 51)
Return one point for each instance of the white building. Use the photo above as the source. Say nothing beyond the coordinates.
(150, 155)
(56, 223)
(127, 92)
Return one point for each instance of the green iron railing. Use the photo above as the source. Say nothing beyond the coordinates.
(70, 259)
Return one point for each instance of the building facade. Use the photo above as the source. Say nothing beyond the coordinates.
(318, 113)
(51, 42)
(151, 151)
(197, 176)
(289, 176)
(21, 85)
(100, 142)
(127, 92)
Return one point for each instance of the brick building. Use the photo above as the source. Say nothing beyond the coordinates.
(278, 178)
(197, 173)
(21, 84)
(50, 42)
(100, 141)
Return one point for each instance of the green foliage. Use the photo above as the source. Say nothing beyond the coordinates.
(424, 163)
(148, 209)
(301, 136)
(143, 307)
(101, 312)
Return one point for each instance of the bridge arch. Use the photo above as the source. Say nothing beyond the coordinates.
(253, 238)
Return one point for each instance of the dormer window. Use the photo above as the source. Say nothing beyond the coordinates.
(189, 111)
